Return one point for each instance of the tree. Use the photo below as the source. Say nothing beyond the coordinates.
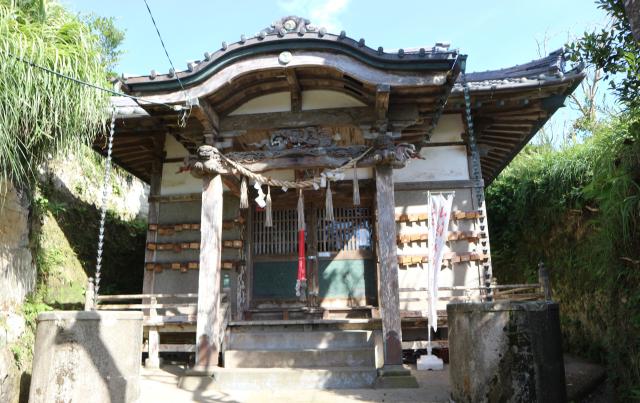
(614, 50)
(110, 38)
(633, 12)
(42, 114)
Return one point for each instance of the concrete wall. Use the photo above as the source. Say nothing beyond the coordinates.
(17, 268)
(517, 359)
(80, 357)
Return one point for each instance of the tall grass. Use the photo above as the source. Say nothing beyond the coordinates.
(41, 114)
(578, 209)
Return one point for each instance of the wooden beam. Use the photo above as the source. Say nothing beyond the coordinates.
(500, 131)
(326, 117)
(433, 185)
(258, 161)
(382, 105)
(388, 295)
(207, 116)
(498, 138)
(294, 89)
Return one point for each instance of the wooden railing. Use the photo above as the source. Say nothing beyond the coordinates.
(160, 310)
(540, 291)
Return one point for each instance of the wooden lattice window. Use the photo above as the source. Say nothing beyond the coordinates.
(281, 239)
(350, 230)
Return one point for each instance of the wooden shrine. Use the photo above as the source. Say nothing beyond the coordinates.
(313, 117)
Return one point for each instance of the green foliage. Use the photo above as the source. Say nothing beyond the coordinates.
(110, 38)
(41, 114)
(615, 51)
(578, 210)
(22, 349)
(64, 247)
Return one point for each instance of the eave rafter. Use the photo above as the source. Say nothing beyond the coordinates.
(294, 89)
(382, 106)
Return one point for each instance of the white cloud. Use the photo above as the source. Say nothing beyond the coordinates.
(322, 13)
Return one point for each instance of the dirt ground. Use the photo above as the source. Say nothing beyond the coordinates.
(585, 383)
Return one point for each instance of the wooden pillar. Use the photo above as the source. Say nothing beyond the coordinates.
(388, 296)
(148, 283)
(207, 337)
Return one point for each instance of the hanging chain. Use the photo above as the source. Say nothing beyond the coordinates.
(106, 190)
(476, 172)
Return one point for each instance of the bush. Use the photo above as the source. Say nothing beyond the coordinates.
(578, 210)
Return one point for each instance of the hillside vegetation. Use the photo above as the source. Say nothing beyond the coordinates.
(578, 210)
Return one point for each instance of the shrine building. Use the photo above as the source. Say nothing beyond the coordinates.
(289, 175)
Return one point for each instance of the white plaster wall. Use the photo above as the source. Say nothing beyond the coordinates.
(464, 274)
(174, 182)
(450, 128)
(312, 99)
(363, 173)
(325, 99)
(277, 102)
(439, 164)
(173, 148)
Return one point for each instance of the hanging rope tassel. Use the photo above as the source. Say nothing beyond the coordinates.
(244, 193)
(268, 219)
(301, 281)
(356, 187)
(328, 203)
(301, 225)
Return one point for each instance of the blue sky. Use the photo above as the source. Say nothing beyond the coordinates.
(497, 33)
(493, 33)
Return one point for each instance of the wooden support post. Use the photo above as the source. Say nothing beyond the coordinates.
(388, 297)
(207, 337)
(392, 374)
(154, 213)
(543, 279)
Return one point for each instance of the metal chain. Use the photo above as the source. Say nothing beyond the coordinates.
(106, 190)
(476, 172)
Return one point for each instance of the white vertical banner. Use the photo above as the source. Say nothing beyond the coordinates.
(439, 214)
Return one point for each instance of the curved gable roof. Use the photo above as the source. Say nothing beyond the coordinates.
(290, 34)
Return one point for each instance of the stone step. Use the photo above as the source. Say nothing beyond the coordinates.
(300, 358)
(285, 378)
(298, 340)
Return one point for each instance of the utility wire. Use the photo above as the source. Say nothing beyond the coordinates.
(78, 81)
(164, 47)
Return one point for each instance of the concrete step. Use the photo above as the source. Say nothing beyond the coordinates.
(285, 378)
(296, 325)
(300, 358)
(298, 340)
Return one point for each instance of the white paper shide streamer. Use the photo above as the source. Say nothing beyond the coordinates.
(439, 215)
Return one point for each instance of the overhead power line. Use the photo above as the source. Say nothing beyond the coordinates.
(81, 82)
(166, 52)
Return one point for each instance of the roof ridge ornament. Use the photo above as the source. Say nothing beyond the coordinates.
(292, 23)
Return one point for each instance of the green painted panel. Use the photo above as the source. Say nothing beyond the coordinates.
(275, 279)
(347, 278)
